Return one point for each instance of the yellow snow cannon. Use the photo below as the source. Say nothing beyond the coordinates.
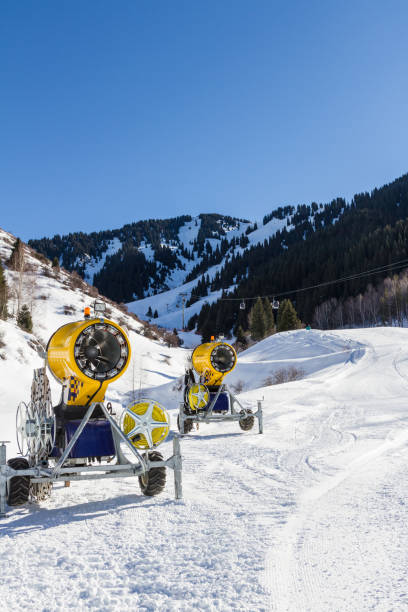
(86, 356)
(73, 439)
(206, 397)
(213, 361)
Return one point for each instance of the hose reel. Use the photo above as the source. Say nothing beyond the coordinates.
(198, 396)
(146, 423)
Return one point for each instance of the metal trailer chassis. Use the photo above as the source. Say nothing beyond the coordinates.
(124, 469)
(234, 415)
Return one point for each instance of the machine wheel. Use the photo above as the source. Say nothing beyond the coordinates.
(153, 482)
(18, 488)
(247, 423)
(188, 425)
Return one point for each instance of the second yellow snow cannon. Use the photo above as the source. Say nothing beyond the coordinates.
(213, 361)
(206, 397)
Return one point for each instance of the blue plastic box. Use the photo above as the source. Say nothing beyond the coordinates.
(96, 440)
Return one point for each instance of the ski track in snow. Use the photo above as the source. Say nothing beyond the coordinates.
(311, 516)
(344, 547)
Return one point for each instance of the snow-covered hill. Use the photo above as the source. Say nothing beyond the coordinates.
(311, 515)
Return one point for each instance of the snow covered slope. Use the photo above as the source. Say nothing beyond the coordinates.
(309, 516)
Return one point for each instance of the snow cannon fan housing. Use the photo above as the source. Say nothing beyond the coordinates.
(86, 356)
(213, 361)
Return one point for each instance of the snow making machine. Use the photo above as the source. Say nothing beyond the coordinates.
(81, 438)
(206, 398)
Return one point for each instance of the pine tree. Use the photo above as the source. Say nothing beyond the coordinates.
(55, 263)
(240, 336)
(155, 314)
(3, 294)
(257, 318)
(207, 330)
(287, 317)
(269, 318)
(149, 312)
(16, 259)
(24, 319)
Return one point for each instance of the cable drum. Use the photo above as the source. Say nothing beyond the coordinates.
(101, 351)
(223, 358)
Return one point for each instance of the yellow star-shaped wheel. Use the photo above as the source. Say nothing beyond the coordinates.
(198, 397)
(145, 424)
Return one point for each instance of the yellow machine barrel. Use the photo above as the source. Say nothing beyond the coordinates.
(86, 356)
(213, 360)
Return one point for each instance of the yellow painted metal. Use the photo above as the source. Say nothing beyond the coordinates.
(144, 418)
(202, 364)
(62, 363)
(198, 396)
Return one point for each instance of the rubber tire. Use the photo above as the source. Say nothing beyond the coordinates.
(247, 423)
(188, 425)
(154, 481)
(18, 488)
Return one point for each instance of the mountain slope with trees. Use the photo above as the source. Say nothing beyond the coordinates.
(145, 257)
(371, 232)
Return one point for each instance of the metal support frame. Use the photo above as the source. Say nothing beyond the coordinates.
(125, 469)
(3, 477)
(233, 415)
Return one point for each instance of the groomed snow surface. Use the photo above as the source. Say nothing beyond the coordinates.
(311, 515)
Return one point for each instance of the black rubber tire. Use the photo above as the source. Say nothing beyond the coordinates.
(153, 482)
(247, 423)
(18, 488)
(188, 425)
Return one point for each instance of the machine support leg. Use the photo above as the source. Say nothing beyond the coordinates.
(177, 467)
(122, 436)
(260, 417)
(182, 418)
(3, 479)
(209, 411)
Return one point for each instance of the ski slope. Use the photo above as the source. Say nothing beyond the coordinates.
(309, 516)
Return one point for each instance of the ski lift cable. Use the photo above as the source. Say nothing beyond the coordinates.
(393, 265)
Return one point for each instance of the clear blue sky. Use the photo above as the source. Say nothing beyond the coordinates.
(115, 111)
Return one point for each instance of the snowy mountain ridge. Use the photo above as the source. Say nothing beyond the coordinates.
(157, 264)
